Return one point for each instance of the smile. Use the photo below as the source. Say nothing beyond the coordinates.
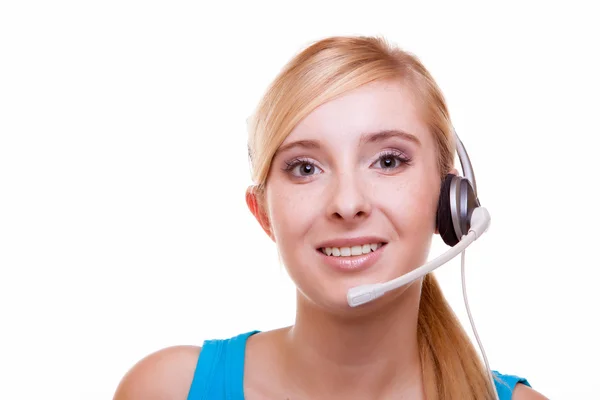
(351, 251)
(352, 259)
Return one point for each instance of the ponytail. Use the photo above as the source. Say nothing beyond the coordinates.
(451, 366)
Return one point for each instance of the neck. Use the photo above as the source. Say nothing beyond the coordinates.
(375, 355)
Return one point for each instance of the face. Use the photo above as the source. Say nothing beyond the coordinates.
(352, 193)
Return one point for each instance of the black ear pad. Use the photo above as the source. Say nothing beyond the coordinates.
(443, 219)
(455, 205)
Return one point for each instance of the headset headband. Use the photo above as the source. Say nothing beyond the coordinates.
(465, 162)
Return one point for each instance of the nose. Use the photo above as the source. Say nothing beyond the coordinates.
(349, 200)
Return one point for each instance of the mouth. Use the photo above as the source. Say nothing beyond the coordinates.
(352, 259)
(351, 251)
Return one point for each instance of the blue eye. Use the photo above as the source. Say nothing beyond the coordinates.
(301, 168)
(392, 160)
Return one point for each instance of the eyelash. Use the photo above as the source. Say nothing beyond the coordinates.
(290, 165)
(398, 155)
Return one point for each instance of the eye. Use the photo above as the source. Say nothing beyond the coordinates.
(302, 168)
(391, 160)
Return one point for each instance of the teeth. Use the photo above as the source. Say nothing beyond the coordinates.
(351, 251)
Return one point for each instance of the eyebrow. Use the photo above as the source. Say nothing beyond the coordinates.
(388, 133)
(365, 138)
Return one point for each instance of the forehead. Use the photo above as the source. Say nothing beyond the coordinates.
(372, 107)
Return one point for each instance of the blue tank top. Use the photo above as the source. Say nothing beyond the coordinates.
(220, 372)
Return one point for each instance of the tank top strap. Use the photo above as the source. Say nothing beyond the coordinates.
(235, 357)
(219, 371)
(505, 384)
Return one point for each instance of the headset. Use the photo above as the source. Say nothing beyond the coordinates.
(458, 198)
(460, 219)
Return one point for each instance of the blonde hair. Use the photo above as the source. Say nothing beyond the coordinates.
(329, 68)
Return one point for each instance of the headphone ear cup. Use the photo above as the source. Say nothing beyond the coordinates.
(463, 201)
(455, 206)
(443, 218)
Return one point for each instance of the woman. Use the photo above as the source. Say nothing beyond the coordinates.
(348, 147)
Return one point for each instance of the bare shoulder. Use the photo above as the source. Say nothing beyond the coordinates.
(165, 374)
(524, 392)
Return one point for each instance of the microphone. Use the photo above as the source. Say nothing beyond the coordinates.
(479, 224)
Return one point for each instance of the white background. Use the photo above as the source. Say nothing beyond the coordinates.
(123, 166)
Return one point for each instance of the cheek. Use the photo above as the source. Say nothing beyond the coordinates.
(292, 213)
(411, 205)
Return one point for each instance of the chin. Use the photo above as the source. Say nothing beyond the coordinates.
(333, 300)
(326, 288)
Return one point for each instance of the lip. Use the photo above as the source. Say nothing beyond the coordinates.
(352, 263)
(349, 242)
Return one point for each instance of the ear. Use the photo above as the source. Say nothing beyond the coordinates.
(453, 171)
(254, 205)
